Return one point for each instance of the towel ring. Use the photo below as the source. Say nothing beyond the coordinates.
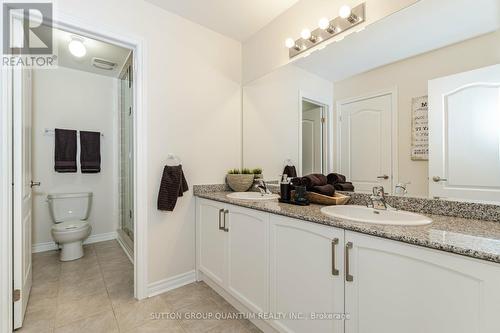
(287, 162)
(173, 160)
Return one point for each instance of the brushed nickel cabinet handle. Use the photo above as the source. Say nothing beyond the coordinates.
(220, 219)
(225, 214)
(383, 177)
(335, 271)
(348, 276)
(32, 184)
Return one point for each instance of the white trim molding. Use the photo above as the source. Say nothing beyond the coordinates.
(162, 286)
(50, 246)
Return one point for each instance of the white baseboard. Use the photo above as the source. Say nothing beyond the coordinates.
(50, 246)
(162, 286)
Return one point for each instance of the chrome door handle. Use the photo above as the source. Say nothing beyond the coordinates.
(348, 276)
(438, 179)
(383, 177)
(220, 219)
(335, 271)
(225, 214)
(35, 184)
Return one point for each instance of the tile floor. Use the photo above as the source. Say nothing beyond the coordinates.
(95, 294)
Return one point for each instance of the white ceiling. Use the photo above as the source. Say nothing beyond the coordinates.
(238, 19)
(425, 26)
(95, 48)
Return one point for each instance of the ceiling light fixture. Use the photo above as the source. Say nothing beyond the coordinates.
(347, 19)
(76, 47)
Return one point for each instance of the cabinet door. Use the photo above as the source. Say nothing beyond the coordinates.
(303, 280)
(211, 240)
(398, 288)
(248, 257)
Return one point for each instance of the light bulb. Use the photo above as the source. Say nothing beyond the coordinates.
(345, 11)
(324, 23)
(77, 48)
(289, 42)
(305, 34)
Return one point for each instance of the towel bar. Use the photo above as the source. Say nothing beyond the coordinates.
(48, 131)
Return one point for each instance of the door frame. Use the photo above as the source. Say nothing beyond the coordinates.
(138, 45)
(393, 92)
(326, 104)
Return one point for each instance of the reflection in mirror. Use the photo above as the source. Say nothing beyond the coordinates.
(418, 114)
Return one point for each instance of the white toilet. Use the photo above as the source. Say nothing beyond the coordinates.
(70, 212)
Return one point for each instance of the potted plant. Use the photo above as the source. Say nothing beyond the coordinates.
(240, 180)
(257, 173)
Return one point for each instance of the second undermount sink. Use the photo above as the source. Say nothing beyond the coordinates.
(252, 196)
(369, 215)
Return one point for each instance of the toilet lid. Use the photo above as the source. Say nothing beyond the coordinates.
(70, 225)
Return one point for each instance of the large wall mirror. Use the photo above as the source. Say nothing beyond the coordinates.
(405, 103)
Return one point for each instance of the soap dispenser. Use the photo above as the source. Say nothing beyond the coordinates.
(285, 188)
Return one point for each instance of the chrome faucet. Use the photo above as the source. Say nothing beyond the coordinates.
(377, 199)
(262, 186)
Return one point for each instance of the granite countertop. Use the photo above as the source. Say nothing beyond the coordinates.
(473, 238)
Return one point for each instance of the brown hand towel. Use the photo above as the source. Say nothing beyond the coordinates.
(290, 171)
(315, 179)
(173, 185)
(90, 152)
(327, 189)
(65, 150)
(347, 187)
(335, 178)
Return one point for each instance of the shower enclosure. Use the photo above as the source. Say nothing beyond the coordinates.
(126, 228)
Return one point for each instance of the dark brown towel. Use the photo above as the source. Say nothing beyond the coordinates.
(65, 150)
(334, 178)
(173, 185)
(347, 186)
(90, 152)
(290, 171)
(315, 179)
(327, 189)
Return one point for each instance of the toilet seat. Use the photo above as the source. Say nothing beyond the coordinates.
(69, 226)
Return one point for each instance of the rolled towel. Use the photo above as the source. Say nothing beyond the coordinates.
(348, 187)
(290, 171)
(315, 179)
(327, 189)
(334, 178)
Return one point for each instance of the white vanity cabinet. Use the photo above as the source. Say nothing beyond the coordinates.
(398, 287)
(233, 251)
(307, 275)
(295, 269)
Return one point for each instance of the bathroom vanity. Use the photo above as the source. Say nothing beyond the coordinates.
(290, 263)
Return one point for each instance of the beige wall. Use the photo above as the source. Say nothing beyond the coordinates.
(72, 99)
(265, 51)
(192, 87)
(271, 118)
(410, 77)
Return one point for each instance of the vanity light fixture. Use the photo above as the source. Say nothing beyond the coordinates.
(290, 43)
(345, 12)
(348, 18)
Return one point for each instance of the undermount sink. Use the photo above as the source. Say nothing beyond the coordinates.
(369, 215)
(252, 196)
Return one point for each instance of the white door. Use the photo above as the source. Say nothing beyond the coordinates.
(248, 257)
(397, 288)
(464, 138)
(22, 191)
(211, 240)
(366, 142)
(306, 275)
(312, 141)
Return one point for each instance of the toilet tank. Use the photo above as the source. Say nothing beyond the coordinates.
(69, 206)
